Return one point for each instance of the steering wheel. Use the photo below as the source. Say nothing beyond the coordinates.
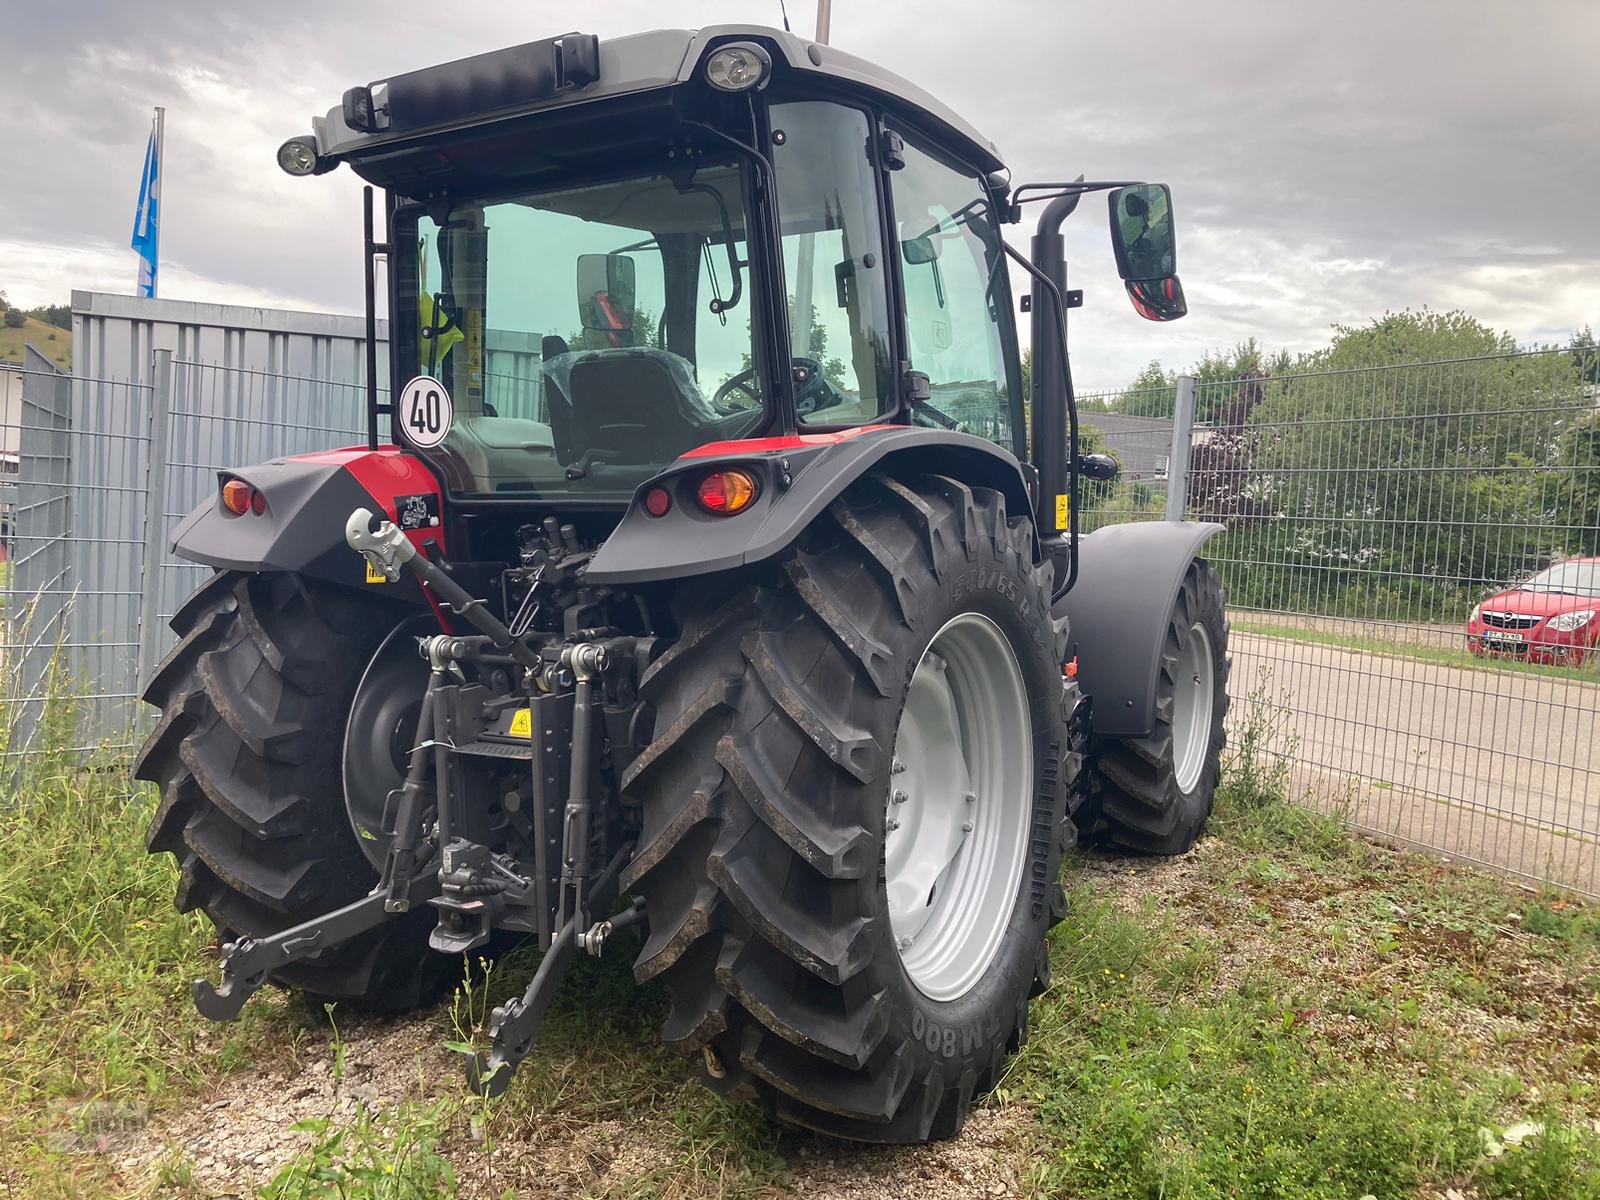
(812, 391)
(744, 382)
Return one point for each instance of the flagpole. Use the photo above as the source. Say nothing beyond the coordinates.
(161, 134)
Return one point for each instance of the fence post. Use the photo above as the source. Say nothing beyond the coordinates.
(1178, 460)
(155, 524)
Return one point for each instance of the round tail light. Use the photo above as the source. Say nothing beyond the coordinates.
(723, 493)
(236, 494)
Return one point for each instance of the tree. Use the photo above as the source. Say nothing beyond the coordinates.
(59, 315)
(1585, 355)
(1153, 393)
(15, 318)
(1416, 454)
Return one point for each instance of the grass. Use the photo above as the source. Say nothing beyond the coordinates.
(1450, 656)
(1288, 1013)
(54, 343)
(94, 960)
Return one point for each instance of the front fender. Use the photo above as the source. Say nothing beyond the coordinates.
(797, 476)
(1128, 576)
(309, 498)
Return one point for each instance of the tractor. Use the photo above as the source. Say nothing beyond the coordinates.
(711, 568)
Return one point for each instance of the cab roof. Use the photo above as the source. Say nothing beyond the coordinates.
(523, 81)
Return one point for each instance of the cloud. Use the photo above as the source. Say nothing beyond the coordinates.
(1326, 165)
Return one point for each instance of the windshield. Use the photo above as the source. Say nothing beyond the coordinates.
(1572, 578)
(586, 336)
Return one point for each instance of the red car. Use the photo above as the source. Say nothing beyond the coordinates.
(1553, 617)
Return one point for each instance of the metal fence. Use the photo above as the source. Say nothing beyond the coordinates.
(1368, 516)
(87, 580)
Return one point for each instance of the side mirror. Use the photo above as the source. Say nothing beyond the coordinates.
(606, 291)
(1146, 249)
(1101, 468)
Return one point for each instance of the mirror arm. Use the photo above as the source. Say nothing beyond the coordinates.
(1075, 190)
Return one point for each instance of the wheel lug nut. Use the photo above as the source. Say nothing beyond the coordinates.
(900, 797)
(892, 825)
(896, 767)
(966, 827)
(904, 943)
(972, 797)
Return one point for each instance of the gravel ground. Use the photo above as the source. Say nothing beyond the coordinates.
(236, 1137)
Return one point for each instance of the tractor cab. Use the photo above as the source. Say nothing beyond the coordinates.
(611, 253)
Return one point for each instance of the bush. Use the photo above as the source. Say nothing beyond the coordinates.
(15, 318)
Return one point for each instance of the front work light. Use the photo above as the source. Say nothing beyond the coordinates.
(738, 67)
(298, 156)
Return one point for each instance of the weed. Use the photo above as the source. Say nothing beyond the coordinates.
(391, 1155)
(1559, 1162)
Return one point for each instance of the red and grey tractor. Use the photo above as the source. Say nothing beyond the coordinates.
(707, 570)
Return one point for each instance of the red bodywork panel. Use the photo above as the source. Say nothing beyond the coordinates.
(386, 474)
(792, 441)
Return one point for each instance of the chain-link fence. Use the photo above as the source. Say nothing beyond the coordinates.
(1404, 555)
(1385, 537)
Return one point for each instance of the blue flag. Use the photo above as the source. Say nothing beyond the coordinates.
(147, 217)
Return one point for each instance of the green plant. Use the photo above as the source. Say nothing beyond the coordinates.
(388, 1155)
(1561, 1161)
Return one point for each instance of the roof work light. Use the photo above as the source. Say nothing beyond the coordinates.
(738, 67)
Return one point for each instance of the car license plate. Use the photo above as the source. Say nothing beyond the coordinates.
(1502, 641)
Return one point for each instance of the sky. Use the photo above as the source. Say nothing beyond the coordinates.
(1328, 162)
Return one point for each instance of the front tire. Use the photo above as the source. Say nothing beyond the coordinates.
(247, 754)
(1153, 794)
(762, 857)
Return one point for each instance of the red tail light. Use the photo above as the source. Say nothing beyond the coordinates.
(723, 493)
(238, 497)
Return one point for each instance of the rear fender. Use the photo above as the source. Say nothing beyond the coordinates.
(1128, 576)
(797, 478)
(309, 497)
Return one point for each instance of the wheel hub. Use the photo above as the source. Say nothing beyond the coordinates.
(380, 734)
(1193, 695)
(956, 818)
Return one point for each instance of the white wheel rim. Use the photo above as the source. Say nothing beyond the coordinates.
(1192, 698)
(957, 816)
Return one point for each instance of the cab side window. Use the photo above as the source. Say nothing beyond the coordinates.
(957, 297)
(839, 315)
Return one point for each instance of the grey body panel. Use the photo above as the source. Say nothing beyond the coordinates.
(301, 531)
(1127, 578)
(688, 541)
(664, 58)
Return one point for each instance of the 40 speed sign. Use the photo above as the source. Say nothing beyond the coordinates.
(425, 412)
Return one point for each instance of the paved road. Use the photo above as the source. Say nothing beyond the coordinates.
(1495, 765)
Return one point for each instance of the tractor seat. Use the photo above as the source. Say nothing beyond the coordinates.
(625, 405)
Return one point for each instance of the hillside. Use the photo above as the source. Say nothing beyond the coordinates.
(55, 344)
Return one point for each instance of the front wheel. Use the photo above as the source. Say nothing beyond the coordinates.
(1153, 794)
(854, 812)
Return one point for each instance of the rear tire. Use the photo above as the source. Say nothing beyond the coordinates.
(247, 755)
(761, 859)
(1153, 794)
